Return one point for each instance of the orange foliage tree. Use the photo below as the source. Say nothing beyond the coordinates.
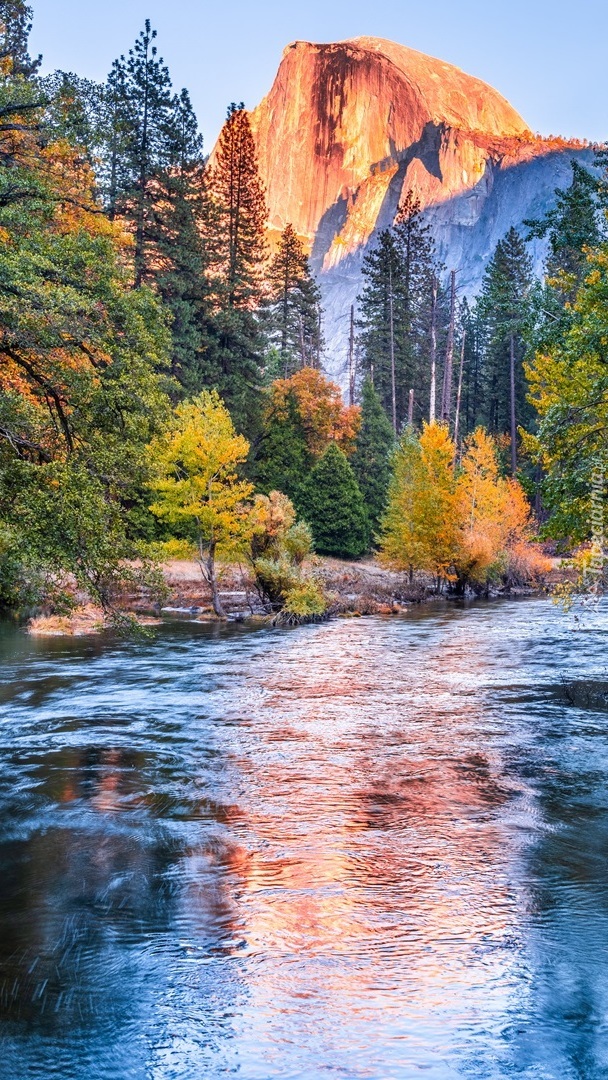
(323, 415)
(420, 527)
(303, 415)
(466, 524)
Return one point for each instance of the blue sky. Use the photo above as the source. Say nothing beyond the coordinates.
(548, 58)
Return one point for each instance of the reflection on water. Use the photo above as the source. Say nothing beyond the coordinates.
(366, 849)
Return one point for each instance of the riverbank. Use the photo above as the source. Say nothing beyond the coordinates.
(353, 589)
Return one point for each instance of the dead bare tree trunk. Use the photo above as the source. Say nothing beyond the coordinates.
(459, 392)
(433, 401)
(302, 343)
(410, 410)
(513, 418)
(351, 358)
(392, 349)
(446, 397)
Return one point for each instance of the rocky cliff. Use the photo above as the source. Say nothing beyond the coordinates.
(349, 127)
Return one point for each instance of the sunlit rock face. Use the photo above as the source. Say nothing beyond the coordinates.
(348, 128)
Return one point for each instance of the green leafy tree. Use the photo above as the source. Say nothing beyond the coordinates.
(332, 504)
(569, 389)
(80, 356)
(371, 461)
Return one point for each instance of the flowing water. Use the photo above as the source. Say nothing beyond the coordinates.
(370, 848)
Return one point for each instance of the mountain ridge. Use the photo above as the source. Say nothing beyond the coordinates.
(349, 127)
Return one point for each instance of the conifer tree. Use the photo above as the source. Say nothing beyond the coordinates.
(332, 504)
(420, 271)
(572, 225)
(237, 232)
(294, 310)
(284, 458)
(380, 326)
(183, 258)
(139, 88)
(371, 461)
(15, 26)
(471, 403)
(396, 308)
(503, 313)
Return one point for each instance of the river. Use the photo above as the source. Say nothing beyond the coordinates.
(366, 849)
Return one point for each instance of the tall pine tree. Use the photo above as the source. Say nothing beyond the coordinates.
(139, 88)
(294, 308)
(397, 308)
(371, 461)
(503, 315)
(237, 233)
(183, 259)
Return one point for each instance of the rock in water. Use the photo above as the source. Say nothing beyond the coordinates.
(348, 128)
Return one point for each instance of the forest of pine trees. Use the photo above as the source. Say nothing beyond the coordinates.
(148, 324)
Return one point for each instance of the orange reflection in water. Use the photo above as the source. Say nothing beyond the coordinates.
(372, 821)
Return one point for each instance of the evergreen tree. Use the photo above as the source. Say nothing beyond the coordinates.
(332, 504)
(75, 112)
(396, 310)
(379, 323)
(472, 403)
(183, 259)
(294, 311)
(284, 459)
(503, 313)
(420, 272)
(152, 179)
(15, 26)
(371, 461)
(139, 89)
(572, 225)
(237, 233)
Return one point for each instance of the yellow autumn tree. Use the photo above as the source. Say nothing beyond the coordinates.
(464, 524)
(493, 513)
(420, 528)
(197, 483)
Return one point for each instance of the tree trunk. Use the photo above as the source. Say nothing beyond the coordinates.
(207, 564)
(446, 396)
(433, 401)
(351, 358)
(513, 418)
(459, 393)
(410, 410)
(392, 347)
